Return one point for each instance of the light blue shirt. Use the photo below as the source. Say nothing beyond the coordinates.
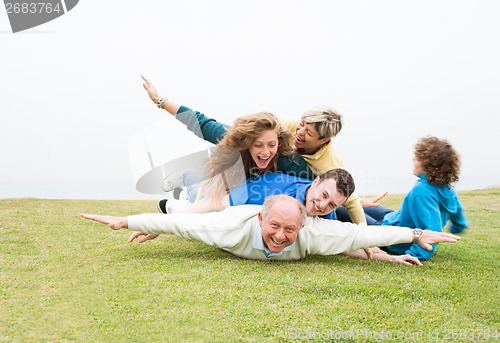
(258, 243)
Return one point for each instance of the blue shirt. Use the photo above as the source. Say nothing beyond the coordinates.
(257, 188)
(428, 207)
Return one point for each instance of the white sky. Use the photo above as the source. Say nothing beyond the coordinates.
(72, 97)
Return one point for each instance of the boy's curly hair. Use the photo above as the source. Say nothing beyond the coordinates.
(439, 160)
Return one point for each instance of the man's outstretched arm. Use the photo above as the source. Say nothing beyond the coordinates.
(429, 237)
(117, 223)
(212, 228)
(329, 237)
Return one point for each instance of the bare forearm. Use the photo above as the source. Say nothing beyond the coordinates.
(160, 101)
(171, 107)
(360, 253)
(368, 254)
(383, 256)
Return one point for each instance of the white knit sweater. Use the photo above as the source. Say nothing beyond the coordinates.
(233, 230)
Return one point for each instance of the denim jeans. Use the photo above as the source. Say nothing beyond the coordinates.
(374, 215)
(192, 181)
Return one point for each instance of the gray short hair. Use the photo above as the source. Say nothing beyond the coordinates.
(328, 121)
(270, 201)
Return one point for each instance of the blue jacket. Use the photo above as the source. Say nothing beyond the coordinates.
(258, 188)
(428, 207)
(211, 130)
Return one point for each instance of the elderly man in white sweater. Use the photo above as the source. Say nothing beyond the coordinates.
(278, 230)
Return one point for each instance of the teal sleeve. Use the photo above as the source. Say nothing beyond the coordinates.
(425, 214)
(458, 220)
(204, 127)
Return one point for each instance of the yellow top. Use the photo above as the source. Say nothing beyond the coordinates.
(323, 160)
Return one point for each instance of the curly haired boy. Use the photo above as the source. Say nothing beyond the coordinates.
(432, 202)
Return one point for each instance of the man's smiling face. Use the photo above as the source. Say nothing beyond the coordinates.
(322, 197)
(281, 225)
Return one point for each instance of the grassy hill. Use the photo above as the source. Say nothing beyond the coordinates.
(64, 279)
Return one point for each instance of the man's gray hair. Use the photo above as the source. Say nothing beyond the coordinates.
(271, 200)
(328, 121)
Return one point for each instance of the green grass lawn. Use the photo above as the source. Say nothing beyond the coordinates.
(65, 279)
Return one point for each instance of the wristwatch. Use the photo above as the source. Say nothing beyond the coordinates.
(416, 235)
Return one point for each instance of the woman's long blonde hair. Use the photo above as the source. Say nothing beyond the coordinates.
(225, 172)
